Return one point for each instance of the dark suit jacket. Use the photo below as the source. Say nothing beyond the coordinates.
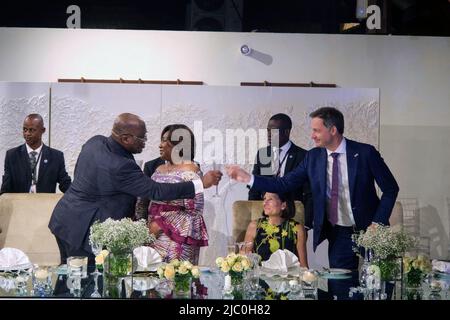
(52, 170)
(302, 193)
(106, 183)
(365, 167)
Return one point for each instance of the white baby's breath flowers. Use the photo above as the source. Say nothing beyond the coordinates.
(384, 241)
(120, 235)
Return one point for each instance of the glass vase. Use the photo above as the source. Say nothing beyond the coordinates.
(237, 281)
(182, 286)
(117, 266)
(390, 276)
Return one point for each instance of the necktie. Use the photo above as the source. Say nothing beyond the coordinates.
(33, 164)
(333, 214)
(276, 161)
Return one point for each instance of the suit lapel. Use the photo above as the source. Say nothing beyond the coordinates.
(290, 159)
(352, 165)
(44, 162)
(25, 161)
(322, 165)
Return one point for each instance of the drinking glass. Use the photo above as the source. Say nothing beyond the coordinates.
(77, 266)
(42, 281)
(96, 249)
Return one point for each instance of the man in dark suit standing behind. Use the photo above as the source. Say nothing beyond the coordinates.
(34, 167)
(106, 183)
(280, 157)
(342, 175)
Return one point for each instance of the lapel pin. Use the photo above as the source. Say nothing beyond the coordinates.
(45, 160)
(356, 154)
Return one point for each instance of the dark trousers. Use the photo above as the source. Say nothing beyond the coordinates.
(340, 247)
(65, 251)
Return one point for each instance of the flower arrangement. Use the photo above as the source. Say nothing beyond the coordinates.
(415, 269)
(387, 244)
(234, 263)
(384, 241)
(181, 273)
(120, 235)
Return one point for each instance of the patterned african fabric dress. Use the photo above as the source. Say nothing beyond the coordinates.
(181, 220)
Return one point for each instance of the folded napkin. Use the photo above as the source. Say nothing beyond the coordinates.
(441, 266)
(11, 258)
(147, 258)
(281, 260)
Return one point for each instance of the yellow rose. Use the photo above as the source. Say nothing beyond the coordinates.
(183, 270)
(225, 267)
(284, 233)
(99, 259)
(219, 261)
(245, 264)
(187, 265)
(160, 272)
(195, 272)
(237, 267)
(175, 262)
(169, 272)
(104, 253)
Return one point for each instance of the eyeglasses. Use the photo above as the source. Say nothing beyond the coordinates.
(140, 139)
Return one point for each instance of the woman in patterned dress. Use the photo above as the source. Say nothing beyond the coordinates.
(277, 229)
(178, 224)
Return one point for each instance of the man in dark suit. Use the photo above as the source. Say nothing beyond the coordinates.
(106, 183)
(34, 167)
(280, 157)
(342, 174)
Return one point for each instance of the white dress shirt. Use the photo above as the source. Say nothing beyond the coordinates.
(38, 152)
(345, 214)
(282, 159)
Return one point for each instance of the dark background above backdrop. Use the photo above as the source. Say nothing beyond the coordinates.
(400, 17)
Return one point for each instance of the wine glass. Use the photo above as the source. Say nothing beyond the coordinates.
(96, 249)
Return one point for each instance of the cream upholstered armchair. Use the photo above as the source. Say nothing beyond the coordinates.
(245, 211)
(24, 221)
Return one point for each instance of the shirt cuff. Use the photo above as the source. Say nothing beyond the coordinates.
(250, 183)
(198, 186)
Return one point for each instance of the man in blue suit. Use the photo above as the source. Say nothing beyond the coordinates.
(106, 183)
(342, 175)
(34, 167)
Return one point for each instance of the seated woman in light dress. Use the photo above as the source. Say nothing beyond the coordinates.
(277, 229)
(178, 224)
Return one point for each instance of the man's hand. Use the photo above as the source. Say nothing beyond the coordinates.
(235, 172)
(211, 178)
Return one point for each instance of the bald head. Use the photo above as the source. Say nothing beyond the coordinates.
(129, 131)
(127, 122)
(36, 118)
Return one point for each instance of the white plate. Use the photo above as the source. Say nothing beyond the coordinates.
(336, 273)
